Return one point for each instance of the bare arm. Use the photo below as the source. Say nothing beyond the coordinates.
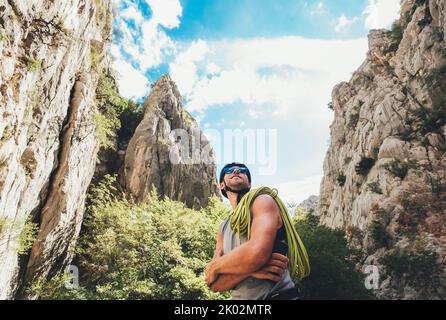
(224, 282)
(256, 252)
(273, 270)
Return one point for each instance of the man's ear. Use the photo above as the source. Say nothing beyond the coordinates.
(222, 185)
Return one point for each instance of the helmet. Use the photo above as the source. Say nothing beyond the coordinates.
(222, 175)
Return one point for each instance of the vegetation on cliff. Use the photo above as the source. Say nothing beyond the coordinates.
(158, 250)
(333, 273)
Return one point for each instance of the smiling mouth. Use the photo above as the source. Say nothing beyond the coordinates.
(236, 177)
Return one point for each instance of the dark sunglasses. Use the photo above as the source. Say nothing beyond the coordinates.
(230, 170)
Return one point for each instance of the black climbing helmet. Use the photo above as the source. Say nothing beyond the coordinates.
(222, 175)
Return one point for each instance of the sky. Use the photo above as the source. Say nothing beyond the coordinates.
(258, 70)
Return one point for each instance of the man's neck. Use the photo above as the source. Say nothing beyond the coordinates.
(232, 199)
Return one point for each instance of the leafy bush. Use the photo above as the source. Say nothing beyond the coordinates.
(130, 118)
(107, 97)
(27, 237)
(333, 275)
(408, 16)
(95, 59)
(397, 32)
(427, 19)
(435, 75)
(353, 120)
(2, 223)
(442, 52)
(117, 116)
(375, 187)
(376, 151)
(418, 267)
(105, 129)
(56, 289)
(155, 250)
(379, 234)
(429, 120)
(32, 64)
(400, 168)
(363, 167)
(158, 250)
(418, 203)
(102, 193)
(341, 179)
(423, 121)
(438, 34)
(3, 36)
(438, 187)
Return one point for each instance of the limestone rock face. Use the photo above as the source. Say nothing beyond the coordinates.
(48, 53)
(310, 205)
(385, 170)
(169, 151)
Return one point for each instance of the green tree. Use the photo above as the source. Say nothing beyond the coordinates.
(333, 275)
(128, 250)
(117, 117)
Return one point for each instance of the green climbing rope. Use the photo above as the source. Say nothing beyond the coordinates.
(241, 223)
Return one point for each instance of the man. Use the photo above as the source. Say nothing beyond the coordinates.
(252, 268)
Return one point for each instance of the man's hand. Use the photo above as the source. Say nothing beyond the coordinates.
(274, 269)
(209, 272)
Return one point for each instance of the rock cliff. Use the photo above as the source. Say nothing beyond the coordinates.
(49, 54)
(385, 170)
(169, 152)
(55, 83)
(309, 205)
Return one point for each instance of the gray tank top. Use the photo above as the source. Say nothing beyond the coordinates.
(251, 288)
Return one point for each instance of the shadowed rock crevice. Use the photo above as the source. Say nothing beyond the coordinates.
(55, 203)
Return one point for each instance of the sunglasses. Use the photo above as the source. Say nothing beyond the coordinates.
(241, 170)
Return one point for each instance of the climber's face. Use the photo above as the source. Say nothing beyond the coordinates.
(236, 178)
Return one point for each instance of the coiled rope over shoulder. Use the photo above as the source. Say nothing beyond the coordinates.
(241, 223)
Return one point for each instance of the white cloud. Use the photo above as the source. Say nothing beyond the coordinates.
(289, 77)
(166, 12)
(132, 82)
(154, 46)
(145, 43)
(381, 13)
(344, 24)
(298, 190)
(285, 75)
(212, 69)
(318, 9)
(184, 67)
(132, 13)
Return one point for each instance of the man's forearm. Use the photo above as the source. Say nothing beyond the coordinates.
(243, 260)
(226, 282)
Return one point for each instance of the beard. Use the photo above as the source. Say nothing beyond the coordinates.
(237, 183)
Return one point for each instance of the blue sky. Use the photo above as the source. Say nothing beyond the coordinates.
(265, 68)
(266, 18)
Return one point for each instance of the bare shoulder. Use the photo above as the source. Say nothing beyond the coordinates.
(264, 202)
